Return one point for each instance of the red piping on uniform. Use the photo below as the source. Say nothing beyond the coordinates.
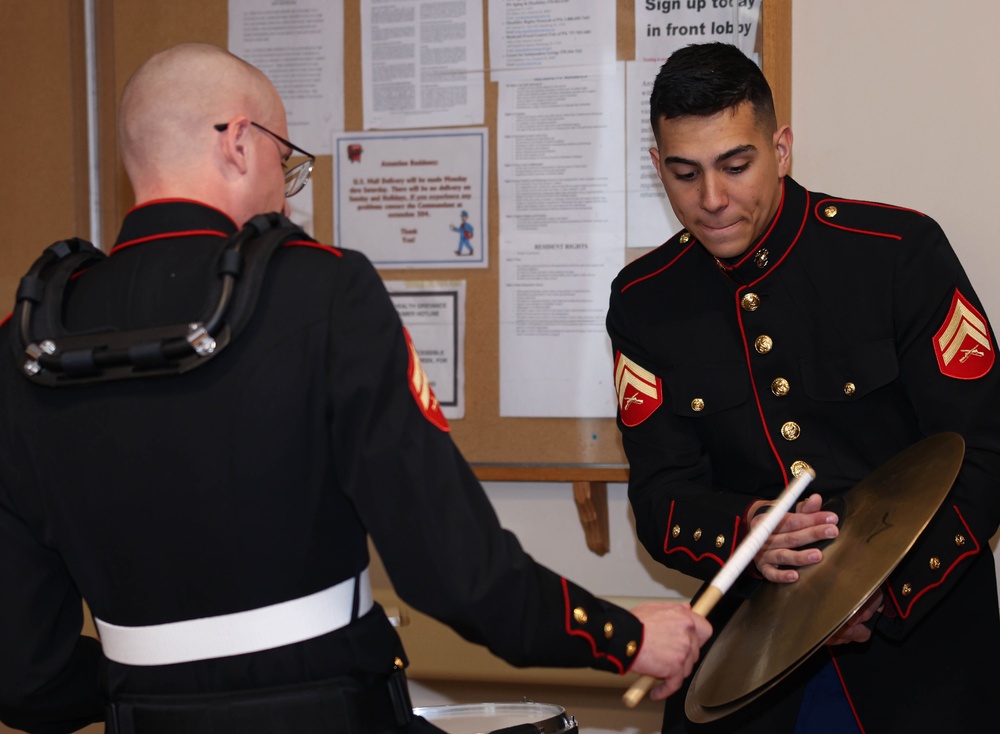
(168, 235)
(7, 319)
(864, 203)
(657, 272)
(847, 695)
(580, 633)
(774, 223)
(314, 245)
(972, 552)
(666, 541)
(746, 345)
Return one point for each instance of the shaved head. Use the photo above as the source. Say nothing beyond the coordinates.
(171, 103)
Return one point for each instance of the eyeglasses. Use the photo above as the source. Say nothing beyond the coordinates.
(296, 176)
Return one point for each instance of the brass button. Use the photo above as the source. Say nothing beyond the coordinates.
(580, 615)
(763, 344)
(907, 589)
(960, 540)
(849, 388)
(790, 431)
(398, 664)
(685, 238)
(830, 211)
(609, 630)
(935, 563)
(697, 405)
(720, 540)
(799, 468)
(631, 648)
(760, 258)
(780, 387)
(750, 302)
(697, 534)
(675, 531)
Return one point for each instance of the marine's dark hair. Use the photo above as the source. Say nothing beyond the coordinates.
(704, 79)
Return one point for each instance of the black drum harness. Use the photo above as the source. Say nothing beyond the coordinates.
(48, 354)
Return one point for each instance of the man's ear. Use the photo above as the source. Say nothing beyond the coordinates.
(654, 155)
(236, 143)
(783, 149)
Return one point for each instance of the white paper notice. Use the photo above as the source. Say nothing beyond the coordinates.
(651, 221)
(532, 34)
(413, 201)
(422, 63)
(663, 26)
(434, 314)
(562, 225)
(299, 45)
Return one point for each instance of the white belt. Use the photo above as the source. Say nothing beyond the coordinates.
(239, 633)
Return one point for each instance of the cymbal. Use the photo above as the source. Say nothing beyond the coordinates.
(781, 625)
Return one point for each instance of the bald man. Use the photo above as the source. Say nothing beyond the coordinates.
(216, 518)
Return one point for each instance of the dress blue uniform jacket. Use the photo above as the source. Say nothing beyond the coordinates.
(254, 479)
(847, 333)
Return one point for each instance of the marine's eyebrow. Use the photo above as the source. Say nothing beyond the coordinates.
(732, 152)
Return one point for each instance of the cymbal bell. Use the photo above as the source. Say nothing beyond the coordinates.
(782, 625)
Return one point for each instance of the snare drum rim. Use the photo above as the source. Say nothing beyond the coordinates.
(555, 722)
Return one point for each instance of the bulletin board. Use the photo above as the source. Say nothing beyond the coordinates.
(130, 30)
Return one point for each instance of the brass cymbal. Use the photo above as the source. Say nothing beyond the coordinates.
(781, 625)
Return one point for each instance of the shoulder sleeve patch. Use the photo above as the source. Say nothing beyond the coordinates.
(962, 345)
(420, 388)
(640, 392)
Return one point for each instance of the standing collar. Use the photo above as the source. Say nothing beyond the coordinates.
(765, 254)
(165, 218)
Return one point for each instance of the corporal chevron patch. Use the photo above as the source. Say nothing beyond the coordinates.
(640, 392)
(962, 345)
(420, 387)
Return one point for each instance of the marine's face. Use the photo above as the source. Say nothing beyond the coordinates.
(722, 174)
(273, 156)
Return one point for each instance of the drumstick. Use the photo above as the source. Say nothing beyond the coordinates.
(741, 558)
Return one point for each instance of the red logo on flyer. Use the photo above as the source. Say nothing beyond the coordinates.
(640, 392)
(962, 345)
(420, 387)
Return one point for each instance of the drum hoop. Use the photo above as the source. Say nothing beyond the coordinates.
(556, 720)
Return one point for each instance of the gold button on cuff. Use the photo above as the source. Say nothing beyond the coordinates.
(780, 387)
(609, 630)
(799, 468)
(850, 388)
(580, 615)
(760, 258)
(763, 344)
(830, 212)
(935, 563)
(398, 664)
(750, 302)
(790, 431)
(960, 540)
(720, 540)
(631, 648)
(685, 238)
(907, 589)
(697, 534)
(697, 405)
(675, 531)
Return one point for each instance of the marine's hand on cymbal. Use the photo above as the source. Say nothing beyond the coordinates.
(808, 524)
(854, 629)
(672, 638)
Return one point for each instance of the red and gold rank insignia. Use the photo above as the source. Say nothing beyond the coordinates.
(640, 392)
(420, 388)
(962, 345)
